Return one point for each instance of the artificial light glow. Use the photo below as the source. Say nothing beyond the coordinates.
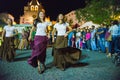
(47, 19)
(14, 23)
(53, 22)
(119, 17)
(0, 29)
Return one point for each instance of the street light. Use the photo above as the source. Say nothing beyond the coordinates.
(119, 18)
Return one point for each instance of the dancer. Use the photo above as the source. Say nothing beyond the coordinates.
(7, 51)
(61, 52)
(23, 43)
(38, 56)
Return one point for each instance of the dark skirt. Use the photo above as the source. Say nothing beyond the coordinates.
(38, 51)
(7, 50)
(64, 55)
(31, 44)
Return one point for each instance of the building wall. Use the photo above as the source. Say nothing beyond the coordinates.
(28, 17)
(30, 13)
(71, 16)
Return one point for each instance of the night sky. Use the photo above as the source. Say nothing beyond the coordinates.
(52, 7)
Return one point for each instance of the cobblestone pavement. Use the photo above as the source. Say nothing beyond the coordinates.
(92, 66)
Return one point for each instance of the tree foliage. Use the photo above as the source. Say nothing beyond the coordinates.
(98, 11)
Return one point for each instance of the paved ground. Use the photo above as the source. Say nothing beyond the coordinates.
(92, 66)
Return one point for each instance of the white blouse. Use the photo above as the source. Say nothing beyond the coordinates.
(61, 28)
(9, 31)
(41, 28)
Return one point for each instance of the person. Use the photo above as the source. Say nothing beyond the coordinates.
(23, 43)
(114, 31)
(84, 40)
(101, 38)
(32, 40)
(69, 38)
(28, 33)
(7, 50)
(61, 53)
(107, 41)
(16, 39)
(93, 40)
(73, 40)
(38, 56)
(78, 35)
(88, 36)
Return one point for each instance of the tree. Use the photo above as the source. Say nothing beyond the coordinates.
(98, 11)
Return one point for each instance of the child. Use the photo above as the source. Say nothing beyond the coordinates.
(73, 40)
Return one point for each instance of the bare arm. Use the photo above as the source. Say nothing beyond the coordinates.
(53, 32)
(70, 29)
(3, 33)
(48, 32)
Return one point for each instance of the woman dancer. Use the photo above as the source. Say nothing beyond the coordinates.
(7, 50)
(38, 56)
(61, 52)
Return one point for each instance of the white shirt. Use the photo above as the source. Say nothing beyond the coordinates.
(9, 30)
(61, 28)
(114, 30)
(41, 28)
(78, 34)
(93, 33)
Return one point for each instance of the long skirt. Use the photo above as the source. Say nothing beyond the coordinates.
(31, 44)
(7, 50)
(38, 51)
(64, 55)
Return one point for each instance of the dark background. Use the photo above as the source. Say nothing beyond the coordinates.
(52, 7)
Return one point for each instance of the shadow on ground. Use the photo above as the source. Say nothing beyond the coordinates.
(50, 65)
(3, 76)
(79, 65)
(21, 58)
